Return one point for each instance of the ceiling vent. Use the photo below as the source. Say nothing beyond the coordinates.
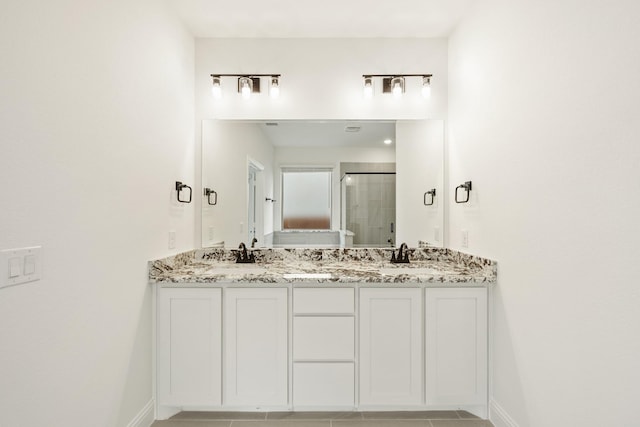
(271, 124)
(352, 129)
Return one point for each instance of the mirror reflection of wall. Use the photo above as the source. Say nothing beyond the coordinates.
(335, 146)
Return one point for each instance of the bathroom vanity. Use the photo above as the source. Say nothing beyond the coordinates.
(321, 329)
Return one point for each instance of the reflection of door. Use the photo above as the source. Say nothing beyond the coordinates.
(252, 207)
(255, 202)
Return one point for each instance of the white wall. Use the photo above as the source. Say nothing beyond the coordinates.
(326, 157)
(96, 125)
(227, 147)
(544, 121)
(321, 79)
(419, 164)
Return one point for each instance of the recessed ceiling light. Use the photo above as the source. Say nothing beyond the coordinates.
(388, 141)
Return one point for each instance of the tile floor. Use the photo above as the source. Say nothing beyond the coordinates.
(324, 419)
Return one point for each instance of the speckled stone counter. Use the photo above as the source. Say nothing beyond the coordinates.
(428, 265)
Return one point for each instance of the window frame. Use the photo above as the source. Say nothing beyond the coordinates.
(311, 168)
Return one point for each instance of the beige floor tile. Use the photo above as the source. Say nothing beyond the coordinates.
(380, 423)
(319, 415)
(221, 415)
(411, 415)
(461, 423)
(466, 415)
(282, 423)
(190, 423)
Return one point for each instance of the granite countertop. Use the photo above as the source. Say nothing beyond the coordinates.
(324, 266)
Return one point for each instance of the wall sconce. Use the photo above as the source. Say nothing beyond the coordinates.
(395, 83)
(247, 84)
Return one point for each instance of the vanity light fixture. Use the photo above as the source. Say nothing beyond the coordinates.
(395, 83)
(247, 84)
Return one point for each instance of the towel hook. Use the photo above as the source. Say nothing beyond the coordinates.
(179, 187)
(208, 192)
(466, 187)
(432, 192)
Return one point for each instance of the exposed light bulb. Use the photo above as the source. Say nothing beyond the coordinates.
(396, 86)
(426, 86)
(387, 141)
(216, 88)
(245, 87)
(368, 87)
(274, 90)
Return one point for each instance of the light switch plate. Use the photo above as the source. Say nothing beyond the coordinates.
(19, 266)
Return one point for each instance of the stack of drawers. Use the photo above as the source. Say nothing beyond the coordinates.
(323, 347)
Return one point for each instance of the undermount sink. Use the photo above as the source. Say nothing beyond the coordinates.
(239, 269)
(415, 271)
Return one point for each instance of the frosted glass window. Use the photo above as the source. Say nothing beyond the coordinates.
(306, 199)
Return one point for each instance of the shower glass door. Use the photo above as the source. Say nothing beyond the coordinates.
(369, 207)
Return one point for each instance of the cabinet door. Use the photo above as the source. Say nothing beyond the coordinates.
(390, 346)
(256, 347)
(189, 346)
(456, 346)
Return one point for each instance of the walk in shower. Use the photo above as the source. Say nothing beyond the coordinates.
(368, 207)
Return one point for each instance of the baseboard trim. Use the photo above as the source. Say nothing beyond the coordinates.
(145, 417)
(499, 417)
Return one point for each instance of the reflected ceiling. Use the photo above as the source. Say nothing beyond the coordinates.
(298, 133)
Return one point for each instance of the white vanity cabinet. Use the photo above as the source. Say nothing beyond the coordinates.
(391, 347)
(189, 340)
(298, 347)
(323, 348)
(456, 346)
(255, 348)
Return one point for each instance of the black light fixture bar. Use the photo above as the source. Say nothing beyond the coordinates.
(255, 80)
(387, 81)
(394, 75)
(246, 75)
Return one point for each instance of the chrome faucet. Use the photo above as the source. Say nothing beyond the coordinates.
(402, 258)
